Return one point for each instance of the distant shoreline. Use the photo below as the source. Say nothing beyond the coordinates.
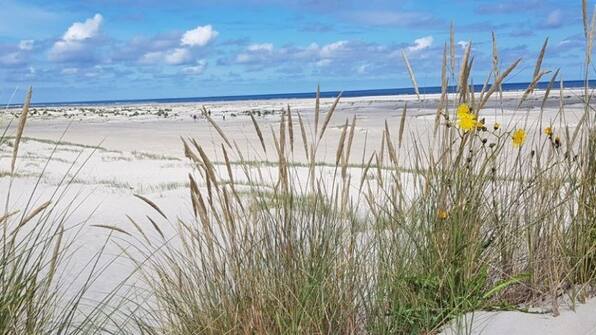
(507, 87)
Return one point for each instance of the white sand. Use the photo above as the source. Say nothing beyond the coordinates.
(581, 321)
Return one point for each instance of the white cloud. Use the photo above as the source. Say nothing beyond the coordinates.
(262, 53)
(80, 31)
(261, 47)
(313, 54)
(255, 52)
(463, 44)
(198, 37)
(177, 56)
(26, 45)
(363, 69)
(196, 69)
(312, 46)
(17, 56)
(421, 44)
(339, 58)
(152, 57)
(12, 58)
(332, 49)
(183, 54)
(173, 57)
(62, 49)
(323, 62)
(74, 39)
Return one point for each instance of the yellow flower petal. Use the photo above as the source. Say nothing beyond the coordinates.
(518, 137)
(463, 109)
(548, 131)
(442, 214)
(467, 123)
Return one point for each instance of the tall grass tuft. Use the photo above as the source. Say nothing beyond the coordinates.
(38, 295)
(280, 260)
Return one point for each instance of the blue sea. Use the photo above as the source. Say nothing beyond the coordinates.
(327, 94)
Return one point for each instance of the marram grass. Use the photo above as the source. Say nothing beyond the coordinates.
(37, 243)
(486, 216)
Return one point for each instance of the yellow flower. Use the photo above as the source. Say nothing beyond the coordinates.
(496, 126)
(468, 122)
(442, 214)
(463, 110)
(465, 118)
(518, 137)
(548, 131)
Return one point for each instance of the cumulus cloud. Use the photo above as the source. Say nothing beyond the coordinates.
(336, 59)
(255, 53)
(362, 69)
(341, 57)
(260, 47)
(26, 45)
(76, 39)
(177, 51)
(568, 45)
(175, 56)
(63, 50)
(198, 37)
(80, 31)
(330, 50)
(323, 63)
(421, 44)
(197, 69)
(313, 53)
(16, 55)
(151, 57)
(13, 58)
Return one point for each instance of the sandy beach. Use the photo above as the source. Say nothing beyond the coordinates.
(98, 157)
(147, 128)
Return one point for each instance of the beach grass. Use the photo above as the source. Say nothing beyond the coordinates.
(37, 246)
(484, 216)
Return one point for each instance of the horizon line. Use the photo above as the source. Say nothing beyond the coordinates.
(289, 95)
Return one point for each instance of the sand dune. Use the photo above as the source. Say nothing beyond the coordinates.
(126, 150)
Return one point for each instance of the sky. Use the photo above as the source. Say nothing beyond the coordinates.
(144, 49)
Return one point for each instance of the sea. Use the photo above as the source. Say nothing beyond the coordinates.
(305, 95)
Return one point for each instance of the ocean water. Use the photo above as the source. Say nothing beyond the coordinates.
(326, 94)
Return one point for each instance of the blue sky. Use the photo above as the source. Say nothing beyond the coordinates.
(128, 49)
